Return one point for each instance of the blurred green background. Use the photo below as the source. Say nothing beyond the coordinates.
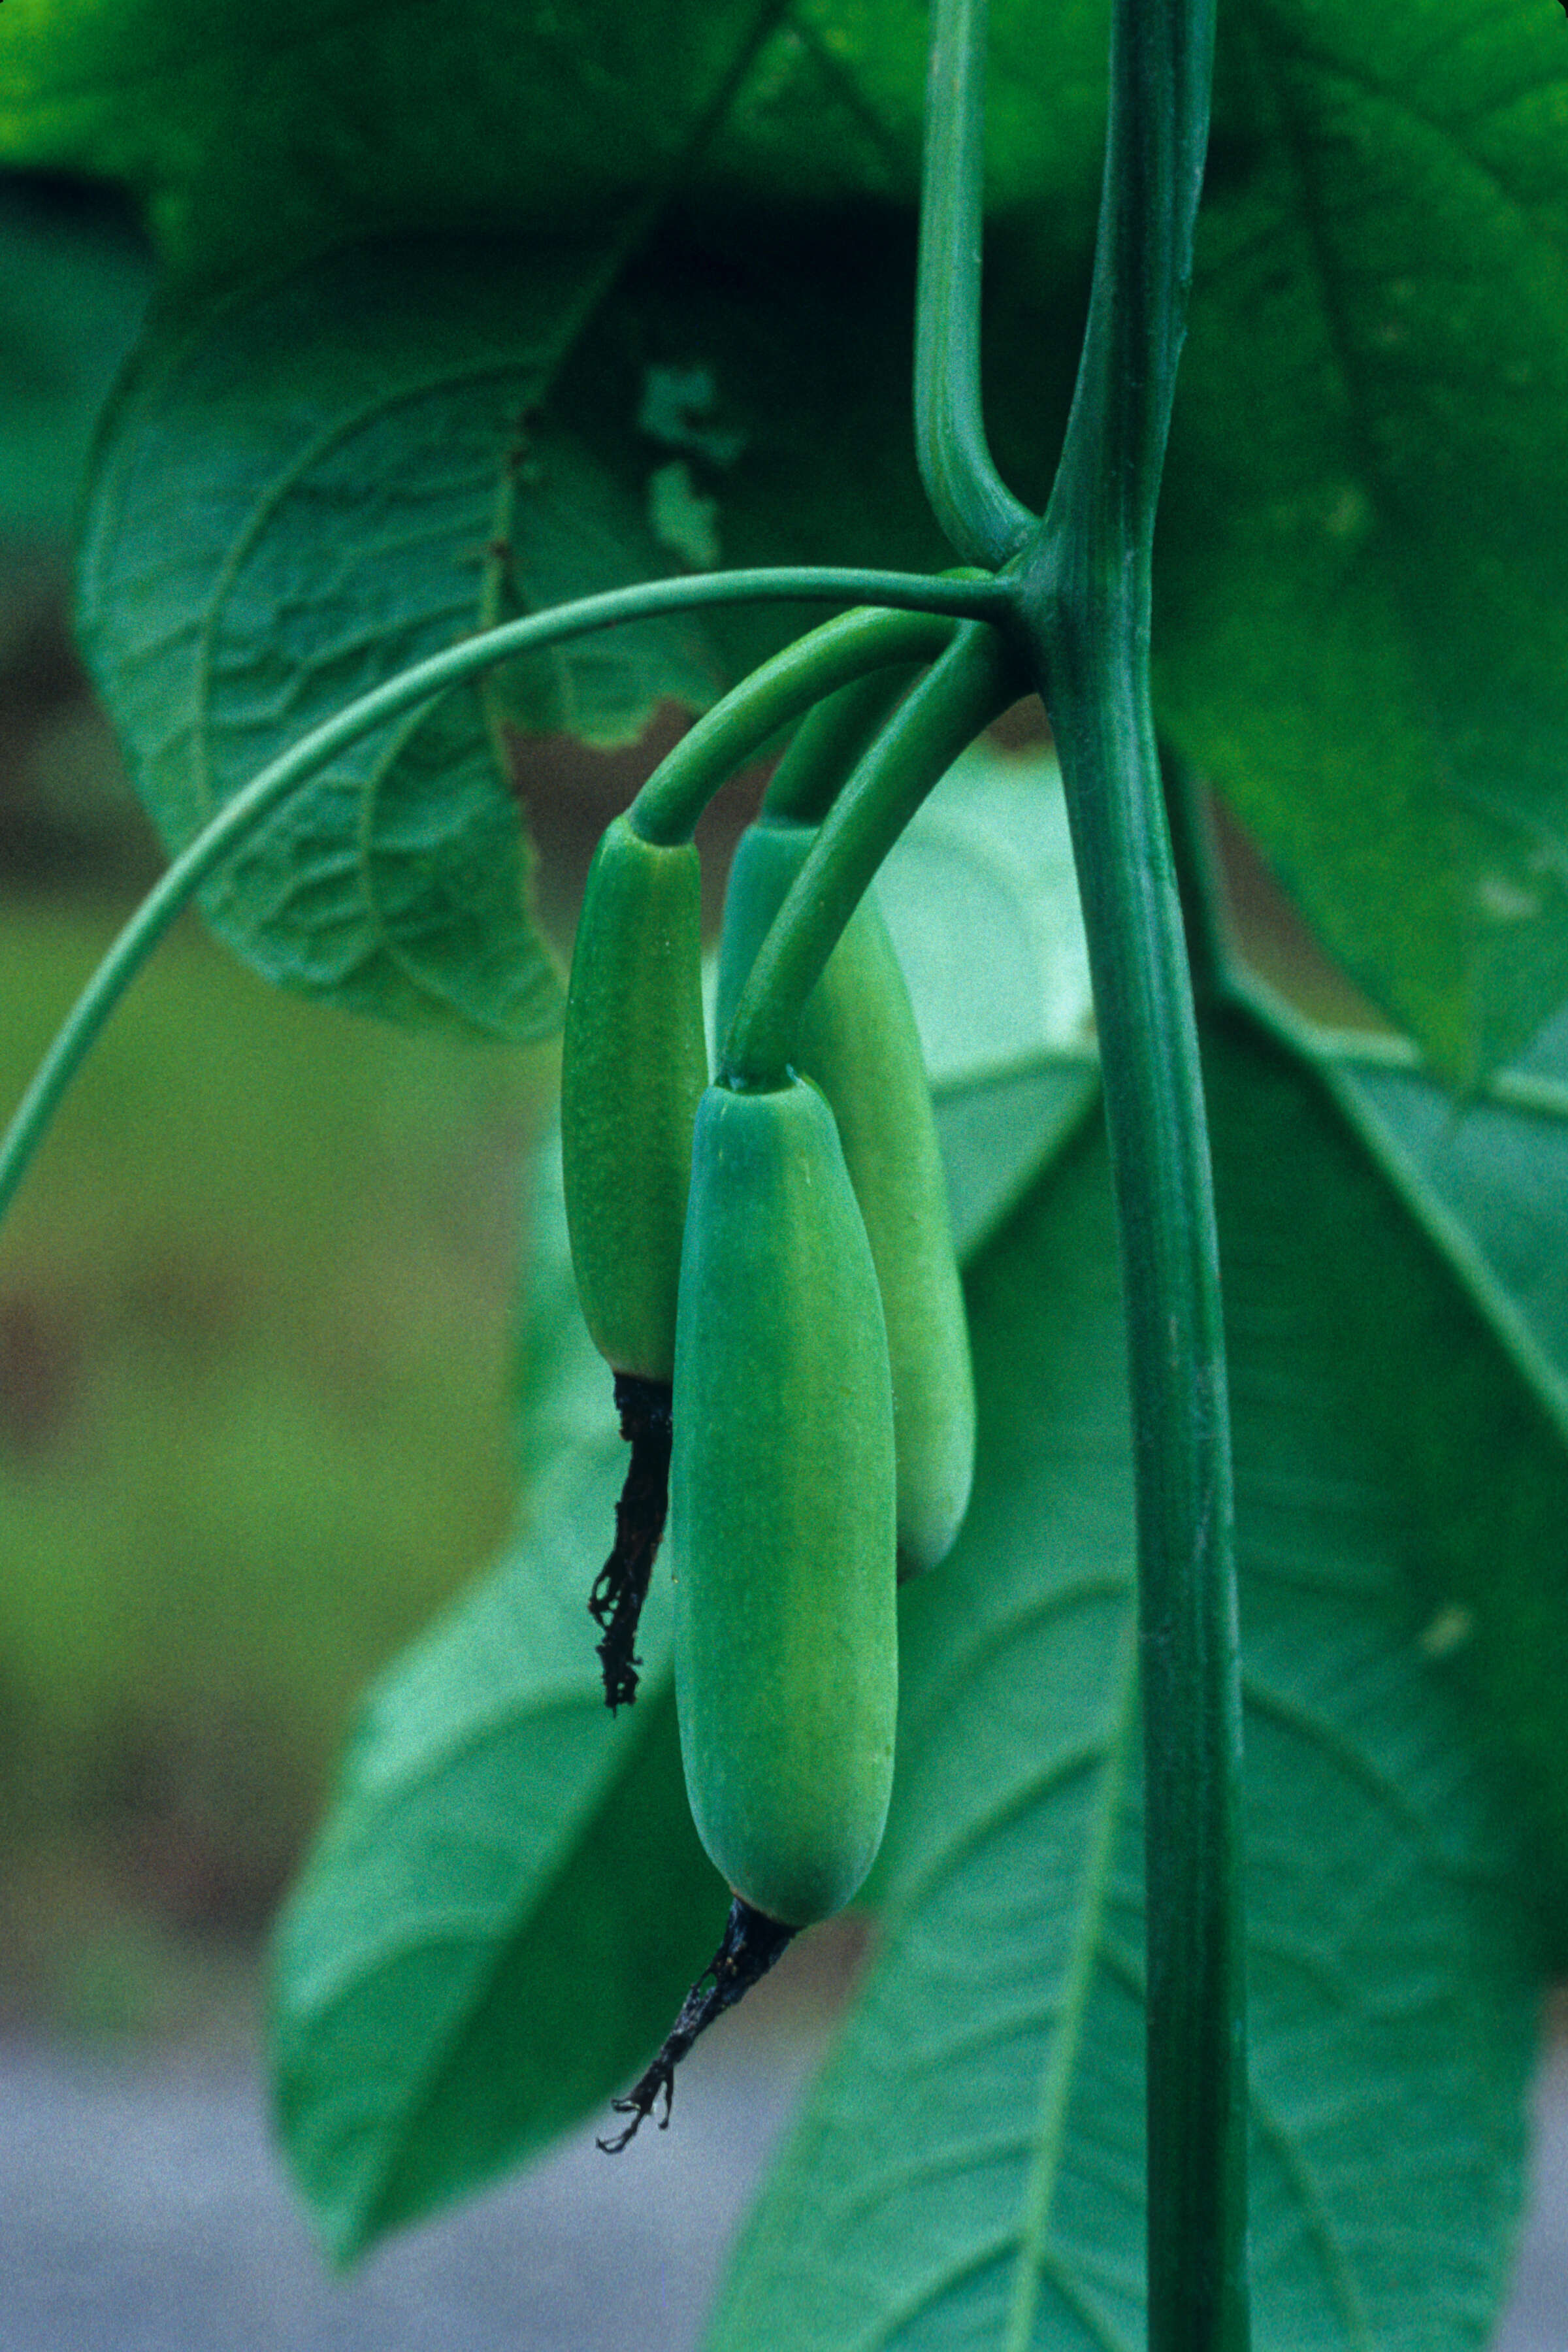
(256, 1309)
(255, 1320)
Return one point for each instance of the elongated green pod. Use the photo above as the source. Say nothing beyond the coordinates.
(859, 1041)
(634, 1066)
(782, 1513)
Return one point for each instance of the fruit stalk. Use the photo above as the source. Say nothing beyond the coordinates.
(974, 681)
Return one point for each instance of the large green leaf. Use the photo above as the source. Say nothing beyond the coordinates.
(1466, 1216)
(487, 116)
(1485, 1176)
(988, 857)
(314, 485)
(1362, 574)
(508, 1900)
(969, 2168)
(834, 109)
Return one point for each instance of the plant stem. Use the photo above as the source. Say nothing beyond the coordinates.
(842, 651)
(1086, 582)
(240, 817)
(981, 519)
(976, 678)
(826, 745)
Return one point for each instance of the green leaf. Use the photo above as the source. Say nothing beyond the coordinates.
(969, 2168)
(1362, 628)
(998, 1132)
(988, 857)
(73, 285)
(1486, 1178)
(1467, 1218)
(257, 136)
(800, 331)
(358, 476)
(508, 1900)
(1005, 1038)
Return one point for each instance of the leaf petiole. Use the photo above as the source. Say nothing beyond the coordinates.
(979, 515)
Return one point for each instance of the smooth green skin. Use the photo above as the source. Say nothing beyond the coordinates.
(858, 1042)
(782, 1510)
(633, 1068)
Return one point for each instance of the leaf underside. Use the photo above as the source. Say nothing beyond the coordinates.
(310, 487)
(1362, 623)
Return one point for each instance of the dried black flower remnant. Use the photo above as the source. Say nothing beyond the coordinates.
(621, 1586)
(752, 1942)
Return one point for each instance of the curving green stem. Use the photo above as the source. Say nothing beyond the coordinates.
(976, 679)
(1086, 585)
(240, 817)
(837, 655)
(826, 745)
(982, 521)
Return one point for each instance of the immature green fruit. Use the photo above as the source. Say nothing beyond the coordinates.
(634, 1065)
(859, 1041)
(783, 1510)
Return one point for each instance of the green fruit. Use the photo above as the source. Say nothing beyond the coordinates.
(634, 1066)
(858, 1042)
(782, 1512)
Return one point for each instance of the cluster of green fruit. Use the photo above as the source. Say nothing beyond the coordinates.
(773, 1262)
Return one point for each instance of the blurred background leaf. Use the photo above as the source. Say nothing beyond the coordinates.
(259, 139)
(1007, 1040)
(75, 276)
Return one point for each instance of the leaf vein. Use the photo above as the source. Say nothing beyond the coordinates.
(1056, 2088)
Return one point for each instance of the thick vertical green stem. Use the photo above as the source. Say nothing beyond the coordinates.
(1197, 2288)
(1086, 591)
(980, 516)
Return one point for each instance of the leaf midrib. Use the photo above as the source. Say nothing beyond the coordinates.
(1055, 2089)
